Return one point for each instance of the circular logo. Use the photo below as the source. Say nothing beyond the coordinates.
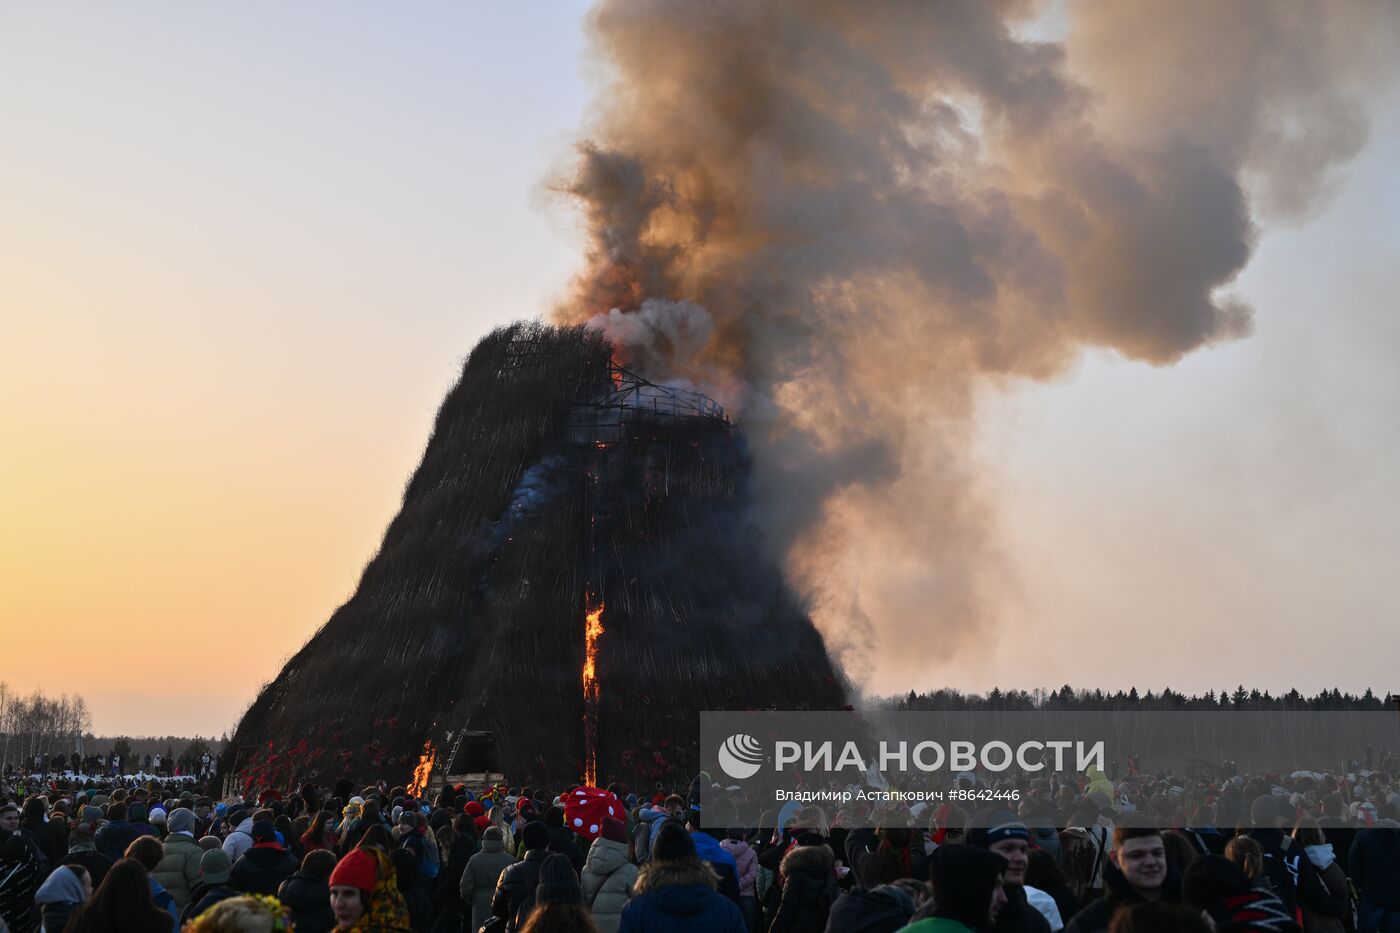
(741, 756)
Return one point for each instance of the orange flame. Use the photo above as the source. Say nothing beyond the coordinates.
(419, 784)
(593, 627)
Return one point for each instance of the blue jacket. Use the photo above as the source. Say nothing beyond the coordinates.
(678, 896)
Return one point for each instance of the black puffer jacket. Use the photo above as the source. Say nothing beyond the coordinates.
(517, 885)
(262, 869)
(309, 899)
(809, 891)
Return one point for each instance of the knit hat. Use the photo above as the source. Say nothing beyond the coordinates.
(157, 815)
(558, 883)
(997, 825)
(962, 877)
(136, 813)
(91, 814)
(264, 831)
(357, 870)
(673, 842)
(483, 823)
(493, 834)
(614, 829)
(210, 842)
(181, 821)
(535, 836)
(472, 808)
(409, 818)
(214, 867)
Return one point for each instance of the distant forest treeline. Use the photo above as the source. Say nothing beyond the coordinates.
(1070, 700)
(40, 725)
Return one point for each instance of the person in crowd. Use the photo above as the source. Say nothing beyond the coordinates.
(1374, 862)
(82, 846)
(242, 914)
(147, 850)
(1043, 873)
(213, 886)
(1333, 915)
(746, 866)
(1026, 909)
(1216, 886)
(240, 839)
(320, 834)
(1157, 917)
(457, 843)
(483, 870)
(969, 893)
(307, 893)
(562, 839)
(21, 873)
(49, 836)
(365, 893)
(65, 890)
(9, 819)
(263, 868)
(519, 880)
(883, 909)
(1137, 872)
(557, 903)
(178, 871)
(808, 890)
(116, 834)
(675, 892)
(608, 875)
(121, 904)
(713, 854)
(416, 899)
(1084, 845)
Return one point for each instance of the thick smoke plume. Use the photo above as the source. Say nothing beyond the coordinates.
(848, 219)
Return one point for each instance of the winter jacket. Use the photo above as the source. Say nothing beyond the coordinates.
(517, 885)
(882, 910)
(1375, 868)
(239, 841)
(1331, 917)
(1118, 893)
(678, 896)
(607, 882)
(644, 836)
(478, 883)
(309, 899)
(809, 891)
(178, 871)
(262, 869)
(113, 838)
(19, 881)
(60, 895)
(563, 841)
(1292, 875)
(95, 862)
(714, 855)
(745, 863)
(204, 898)
(419, 904)
(163, 901)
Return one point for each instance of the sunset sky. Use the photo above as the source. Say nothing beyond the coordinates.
(246, 247)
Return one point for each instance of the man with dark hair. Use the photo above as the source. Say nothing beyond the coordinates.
(518, 881)
(113, 838)
(1136, 873)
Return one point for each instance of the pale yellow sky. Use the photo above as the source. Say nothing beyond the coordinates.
(245, 251)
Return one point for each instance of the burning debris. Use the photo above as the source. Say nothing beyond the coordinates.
(615, 492)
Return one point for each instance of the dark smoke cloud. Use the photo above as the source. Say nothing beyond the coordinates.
(847, 219)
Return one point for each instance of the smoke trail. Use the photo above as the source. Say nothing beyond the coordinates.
(849, 219)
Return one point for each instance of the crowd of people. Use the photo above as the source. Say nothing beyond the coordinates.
(1302, 853)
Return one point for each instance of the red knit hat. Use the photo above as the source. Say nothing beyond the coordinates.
(472, 808)
(614, 829)
(357, 870)
(482, 822)
(658, 800)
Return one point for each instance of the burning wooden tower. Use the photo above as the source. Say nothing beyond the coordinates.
(572, 575)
